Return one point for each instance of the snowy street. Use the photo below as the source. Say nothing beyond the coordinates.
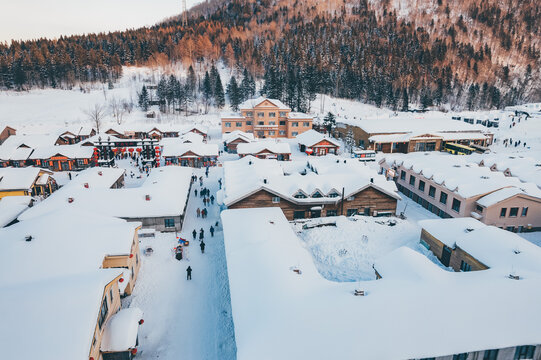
(186, 319)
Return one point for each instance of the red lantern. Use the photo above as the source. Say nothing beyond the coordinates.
(131, 255)
(123, 149)
(91, 358)
(157, 148)
(121, 280)
(141, 322)
(130, 150)
(139, 150)
(134, 351)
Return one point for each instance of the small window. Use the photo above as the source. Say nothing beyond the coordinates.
(272, 132)
(260, 114)
(294, 133)
(443, 198)
(238, 124)
(351, 198)
(402, 175)
(227, 124)
(249, 122)
(463, 356)
(169, 223)
(524, 211)
(317, 194)
(249, 113)
(275, 199)
(432, 191)
(351, 212)
(524, 352)
(272, 122)
(503, 212)
(422, 185)
(510, 228)
(298, 214)
(332, 213)
(491, 354)
(295, 124)
(513, 212)
(272, 114)
(111, 299)
(137, 259)
(456, 205)
(479, 208)
(412, 180)
(283, 114)
(464, 266)
(260, 123)
(282, 122)
(333, 194)
(282, 132)
(103, 313)
(299, 195)
(306, 124)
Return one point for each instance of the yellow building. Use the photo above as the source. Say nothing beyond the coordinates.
(26, 181)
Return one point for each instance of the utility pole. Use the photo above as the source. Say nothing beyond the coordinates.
(342, 210)
(184, 14)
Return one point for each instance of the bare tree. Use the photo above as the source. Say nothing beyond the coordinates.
(96, 113)
(118, 109)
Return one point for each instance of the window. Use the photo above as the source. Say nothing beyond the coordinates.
(513, 212)
(282, 132)
(432, 191)
(298, 214)
(462, 356)
(361, 143)
(299, 195)
(510, 228)
(260, 123)
(333, 194)
(402, 175)
(412, 180)
(464, 266)
(137, 259)
(238, 124)
(351, 198)
(111, 295)
(249, 122)
(260, 114)
(443, 198)
(275, 199)
(272, 122)
(479, 208)
(317, 194)
(80, 162)
(524, 211)
(283, 114)
(351, 212)
(282, 122)
(306, 124)
(456, 205)
(227, 124)
(503, 212)
(295, 124)
(103, 314)
(294, 133)
(169, 223)
(491, 354)
(272, 132)
(524, 352)
(422, 185)
(249, 113)
(272, 114)
(331, 213)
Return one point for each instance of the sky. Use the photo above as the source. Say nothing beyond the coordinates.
(29, 19)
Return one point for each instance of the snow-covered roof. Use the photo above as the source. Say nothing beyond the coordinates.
(396, 318)
(70, 151)
(95, 177)
(252, 103)
(445, 136)
(120, 333)
(168, 188)
(53, 319)
(11, 207)
(526, 168)
(249, 174)
(407, 264)
(258, 146)
(448, 231)
(231, 115)
(64, 241)
(414, 123)
(236, 134)
(19, 178)
(191, 137)
(299, 115)
(177, 147)
(311, 137)
(499, 195)
(458, 173)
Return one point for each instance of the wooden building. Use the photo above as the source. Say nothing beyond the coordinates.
(234, 138)
(26, 181)
(316, 144)
(265, 150)
(7, 132)
(63, 157)
(75, 136)
(196, 155)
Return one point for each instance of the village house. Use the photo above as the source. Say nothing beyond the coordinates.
(326, 188)
(62, 157)
(317, 144)
(452, 186)
(196, 155)
(159, 203)
(234, 138)
(16, 150)
(266, 118)
(7, 132)
(525, 168)
(409, 133)
(26, 181)
(74, 329)
(74, 136)
(265, 150)
(11, 207)
(466, 244)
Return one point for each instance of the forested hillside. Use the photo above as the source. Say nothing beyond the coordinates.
(476, 54)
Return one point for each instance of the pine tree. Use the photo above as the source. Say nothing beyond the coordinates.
(350, 141)
(191, 82)
(219, 96)
(233, 93)
(207, 91)
(405, 100)
(247, 86)
(329, 121)
(143, 98)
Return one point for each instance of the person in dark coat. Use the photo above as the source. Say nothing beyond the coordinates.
(202, 246)
(198, 211)
(194, 233)
(211, 231)
(195, 191)
(212, 199)
(201, 234)
(189, 273)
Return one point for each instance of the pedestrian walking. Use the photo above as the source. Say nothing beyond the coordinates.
(194, 233)
(204, 212)
(189, 273)
(195, 191)
(202, 246)
(211, 231)
(212, 199)
(217, 224)
(201, 234)
(198, 211)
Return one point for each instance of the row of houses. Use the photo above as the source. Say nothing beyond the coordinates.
(327, 186)
(451, 186)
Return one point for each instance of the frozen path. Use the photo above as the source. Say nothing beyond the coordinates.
(186, 319)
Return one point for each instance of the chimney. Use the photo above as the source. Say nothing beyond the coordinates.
(86, 185)
(264, 181)
(100, 173)
(372, 180)
(147, 197)
(70, 200)
(28, 238)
